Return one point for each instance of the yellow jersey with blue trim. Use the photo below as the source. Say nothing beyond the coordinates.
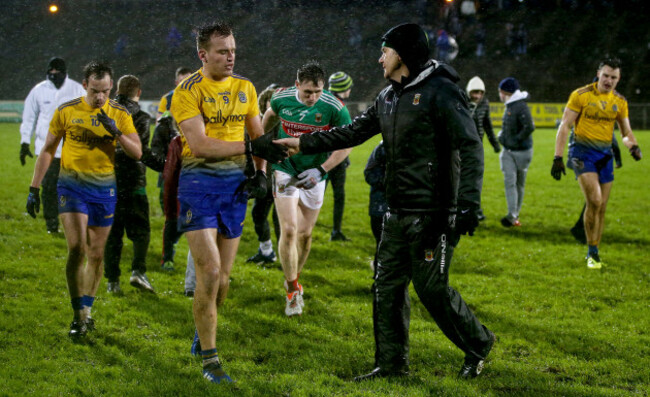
(597, 113)
(224, 107)
(88, 153)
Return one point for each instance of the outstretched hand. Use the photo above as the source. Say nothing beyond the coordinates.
(292, 144)
(264, 147)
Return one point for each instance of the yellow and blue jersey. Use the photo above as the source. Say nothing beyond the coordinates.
(88, 154)
(165, 102)
(224, 107)
(597, 113)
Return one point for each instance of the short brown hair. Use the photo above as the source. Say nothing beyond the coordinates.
(205, 33)
(97, 70)
(183, 70)
(128, 85)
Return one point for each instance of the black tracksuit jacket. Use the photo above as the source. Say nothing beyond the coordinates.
(427, 129)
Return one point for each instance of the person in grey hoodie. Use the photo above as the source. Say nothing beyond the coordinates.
(517, 141)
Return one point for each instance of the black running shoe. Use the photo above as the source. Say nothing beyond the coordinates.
(472, 366)
(139, 280)
(260, 258)
(338, 235)
(78, 329)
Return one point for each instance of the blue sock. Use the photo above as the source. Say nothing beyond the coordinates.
(87, 300)
(77, 303)
(593, 250)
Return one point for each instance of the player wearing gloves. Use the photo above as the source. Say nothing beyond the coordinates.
(300, 180)
(212, 107)
(434, 173)
(594, 109)
(40, 105)
(91, 126)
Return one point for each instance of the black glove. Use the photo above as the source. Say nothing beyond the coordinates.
(24, 152)
(466, 220)
(254, 186)
(263, 147)
(635, 151)
(33, 202)
(108, 123)
(558, 168)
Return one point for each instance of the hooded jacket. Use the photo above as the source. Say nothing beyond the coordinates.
(40, 105)
(434, 157)
(130, 174)
(518, 125)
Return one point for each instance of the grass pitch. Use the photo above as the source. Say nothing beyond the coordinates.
(563, 330)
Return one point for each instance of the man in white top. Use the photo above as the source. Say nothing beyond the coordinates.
(40, 105)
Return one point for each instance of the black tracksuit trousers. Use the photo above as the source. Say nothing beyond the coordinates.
(132, 216)
(416, 247)
(49, 196)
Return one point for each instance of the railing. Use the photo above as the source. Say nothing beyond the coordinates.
(546, 115)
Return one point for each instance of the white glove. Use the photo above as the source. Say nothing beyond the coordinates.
(310, 178)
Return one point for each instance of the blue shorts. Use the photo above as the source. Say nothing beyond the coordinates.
(222, 211)
(100, 213)
(582, 160)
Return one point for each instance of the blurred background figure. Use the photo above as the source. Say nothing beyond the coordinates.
(39, 108)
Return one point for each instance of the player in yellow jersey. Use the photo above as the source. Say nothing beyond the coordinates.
(212, 108)
(594, 109)
(166, 101)
(91, 126)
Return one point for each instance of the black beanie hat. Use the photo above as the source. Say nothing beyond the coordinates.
(410, 42)
(56, 63)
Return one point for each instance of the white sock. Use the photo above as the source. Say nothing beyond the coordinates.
(266, 247)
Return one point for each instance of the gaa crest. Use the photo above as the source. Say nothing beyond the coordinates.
(428, 255)
(318, 117)
(62, 201)
(416, 99)
(188, 216)
(242, 97)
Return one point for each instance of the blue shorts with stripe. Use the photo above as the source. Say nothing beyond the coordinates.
(100, 213)
(583, 159)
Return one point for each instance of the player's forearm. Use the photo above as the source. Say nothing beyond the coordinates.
(212, 148)
(560, 139)
(335, 159)
(131, 145)
(40, 168)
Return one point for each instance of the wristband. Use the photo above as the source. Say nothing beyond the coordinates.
(321, 169)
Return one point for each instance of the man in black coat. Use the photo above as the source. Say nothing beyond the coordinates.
(132, 208)
(434, 173)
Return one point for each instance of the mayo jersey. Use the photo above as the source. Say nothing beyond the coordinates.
(224, 107)
(597, 113)
(296, 119)
(88, 154)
